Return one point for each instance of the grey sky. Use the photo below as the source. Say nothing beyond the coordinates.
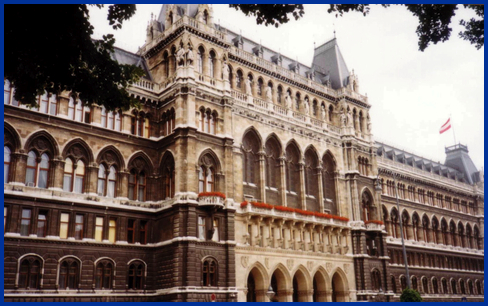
(412, 93)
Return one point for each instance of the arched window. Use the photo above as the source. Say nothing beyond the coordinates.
(470, 287)
(376, 280)
(366, 203)
(137, 186)
(279, 95)
(211, 64)
(104, 275)
(208, 121)
(425, 228)
(30, 273)
(395, 223)
(454, 286)
(205, 17)
(239, 79)
(393, 284)
(206, 179)
(37, 171)
(469, 237)
(403, 282)
(69, 274)
(297, 101)
(452, 230)
(405, 225)
(435, 286)
(478, 287)
(425, 285)
(168, 171)
(477, 239)
(250, 150)
(135, 276)
(445, 287)
(272, 163)
(260, 87)
(462, 285)
(74, 176)
(200, 55)
(292, 168)
(6, 164)
(461, 235)
(328, 183)
(415, 227)
(331, 112)
(209, 273)
(107, 180)
(414, 282)
(311, 180)
(48, 104)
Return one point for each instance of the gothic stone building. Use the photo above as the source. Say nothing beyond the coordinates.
(245, 175)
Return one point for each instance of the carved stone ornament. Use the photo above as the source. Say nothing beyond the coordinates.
(245, 261)
(346, 268)
(76, 152)
(328, 267)
(109, 158)
(310, 265)
(139, 164)
(289, 264)
(40, 144)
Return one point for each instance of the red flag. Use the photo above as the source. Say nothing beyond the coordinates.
(446, 126)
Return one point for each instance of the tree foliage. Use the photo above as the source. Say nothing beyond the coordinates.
(434, 19)
(410, 295)
(49, 48)
(271, 14)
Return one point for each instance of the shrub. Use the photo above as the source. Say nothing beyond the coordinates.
(410, 295)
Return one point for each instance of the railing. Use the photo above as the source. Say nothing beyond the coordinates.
(316, 122)
(299, 116)
(279, 110)
(210, 201)
(260, 103)
(144, 84)
(239, 96)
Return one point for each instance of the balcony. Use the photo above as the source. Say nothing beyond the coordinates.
(211, 199)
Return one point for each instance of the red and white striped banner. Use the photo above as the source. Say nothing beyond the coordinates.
(446, 126)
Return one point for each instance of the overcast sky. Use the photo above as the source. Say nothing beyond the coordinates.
(412, 93)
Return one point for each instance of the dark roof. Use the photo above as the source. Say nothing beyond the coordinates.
(181, 9)
(452, 168)
(457, 157)
(128, 58)
(328, 59)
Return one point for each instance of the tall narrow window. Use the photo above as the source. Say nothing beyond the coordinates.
(135, 276)
(68, 275)
(44, 103)
(112, 230)
(68, 175)
(137, 186)
(78, 111)
(7, 91)
(6, 164)
(41, 224)
(30, 273)
(279, 95)
(147, 128)
(110, 120)
(201, 228)
(209, 270)
(206, 180)
(71, 109)
(106, 181)
(211, 64)
(101, 180)
(118, 125)
(200, 60)
(79, 177)
(99, 229)
(216, 236)
(73, 180)
(64, 226)
(25, 222)
(131, 231)
(43, 171)
(143, 232)
(79, 225)
(104, 117)
(103, 275)
(31, 172)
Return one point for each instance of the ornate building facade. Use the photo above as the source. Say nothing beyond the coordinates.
(245, 174)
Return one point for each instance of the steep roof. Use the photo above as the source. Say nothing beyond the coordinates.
(192, 10)
(328, 59)
(128, 58)
(457, 157)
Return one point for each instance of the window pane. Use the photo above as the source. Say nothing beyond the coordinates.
(111, 189)
(79, 227)
(80, 168)
(67, 182)
(78, 184)
(99, 229)
(141, 194)
(201, 228)
(101, 186)
(63, 228)
(42, 179)
(215, 236)
(112, 230)
(31, 159)
(41, 225)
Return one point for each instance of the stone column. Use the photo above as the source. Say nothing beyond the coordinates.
(19, 163)
(126, 120)
(123, 190)
(320, 189)
(303, 198)
(91, 178)
(262, 175)
(96, 115)
(283, 178)
(63, 102)
(57, 173)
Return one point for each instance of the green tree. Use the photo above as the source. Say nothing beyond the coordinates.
(49, 48)
(434, 19)
(410, 295)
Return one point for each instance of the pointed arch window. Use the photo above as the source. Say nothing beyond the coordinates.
(311, 181)
(239, 79)
(107, 179)
(200, 55)
(74, 176)
(69, 274)
(272, 164)
(30, 273)
(48, 104)
(104, 275)
(6, 163)
(135, 276)
(37, 170)
(137, 186)
(366, 206)
(209, 273)
(206, 178)
(279, 95)
(211, 64)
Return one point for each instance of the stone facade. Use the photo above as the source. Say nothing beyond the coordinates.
(245, 174)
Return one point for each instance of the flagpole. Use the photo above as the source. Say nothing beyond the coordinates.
(452, 126)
